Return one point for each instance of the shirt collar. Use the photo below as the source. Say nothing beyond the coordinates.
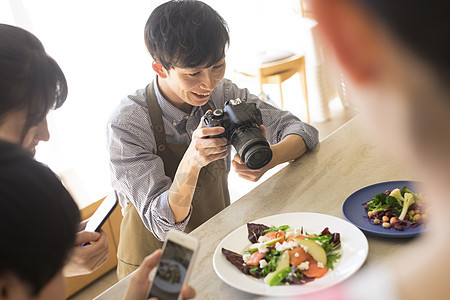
(168, 109)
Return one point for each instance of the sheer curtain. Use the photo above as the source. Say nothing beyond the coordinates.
(99, 46)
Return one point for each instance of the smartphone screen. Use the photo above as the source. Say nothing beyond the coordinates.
(102, 213)
(171, 271)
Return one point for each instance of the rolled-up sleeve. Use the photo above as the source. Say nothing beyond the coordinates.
(278, 123)
(138, 172)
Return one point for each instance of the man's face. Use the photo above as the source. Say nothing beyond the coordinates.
(185, 88)
(11, 129)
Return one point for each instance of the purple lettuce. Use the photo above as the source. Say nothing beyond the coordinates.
(255, 231)
(236, 260)
(335, 237)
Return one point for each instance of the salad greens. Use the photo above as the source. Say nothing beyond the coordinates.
(396, 209)
(284, 255)
(329, 246)
(272, 259)
(274, 228)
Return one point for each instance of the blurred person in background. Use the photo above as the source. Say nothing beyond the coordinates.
(396, 55)
(32, 83)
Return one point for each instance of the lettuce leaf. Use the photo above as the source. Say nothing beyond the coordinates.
(255, 231)
(236, 260)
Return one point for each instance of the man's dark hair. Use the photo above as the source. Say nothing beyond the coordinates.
(38, 219)
(186, 34)
(423, 26)
(29, 78)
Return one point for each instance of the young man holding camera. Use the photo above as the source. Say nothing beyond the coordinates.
(168, 173)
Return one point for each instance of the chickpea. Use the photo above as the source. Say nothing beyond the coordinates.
(372, 213)
(424, 216)
(393, 220)
(412, 213)
(417, 211)
(385, 219)
(417, 217)
(376, 221)
(386, 225)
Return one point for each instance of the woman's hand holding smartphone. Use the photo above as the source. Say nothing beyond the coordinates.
(175, 264)
(140, 283)
(91, 249)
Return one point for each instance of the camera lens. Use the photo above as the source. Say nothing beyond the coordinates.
(257, 156)
(251, 146)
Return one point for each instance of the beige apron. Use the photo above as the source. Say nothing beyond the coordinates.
(210, 196)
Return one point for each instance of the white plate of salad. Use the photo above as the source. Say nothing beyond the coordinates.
(347, 249)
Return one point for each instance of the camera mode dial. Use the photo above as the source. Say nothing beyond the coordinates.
(218, 113)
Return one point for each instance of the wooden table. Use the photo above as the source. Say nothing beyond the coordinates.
(318, 182)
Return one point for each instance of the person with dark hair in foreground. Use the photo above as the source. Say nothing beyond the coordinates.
(167, 171)
(396, 57)
(38, 225)
(32, 83)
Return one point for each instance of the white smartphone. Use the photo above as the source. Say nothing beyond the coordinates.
(175, 265)
(102, 213)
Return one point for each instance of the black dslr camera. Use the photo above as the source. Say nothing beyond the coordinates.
(241, 122)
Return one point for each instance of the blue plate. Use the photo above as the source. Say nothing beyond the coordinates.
(355, 213)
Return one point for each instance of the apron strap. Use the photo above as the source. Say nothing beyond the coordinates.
(156, 117)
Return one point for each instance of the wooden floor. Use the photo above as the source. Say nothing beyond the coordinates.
(238, 187)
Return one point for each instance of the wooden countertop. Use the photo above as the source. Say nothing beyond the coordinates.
(319, 182)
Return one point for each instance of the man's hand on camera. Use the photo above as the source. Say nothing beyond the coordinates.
(204, 150)
(201, 151)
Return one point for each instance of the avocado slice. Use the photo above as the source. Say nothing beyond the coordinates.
(282, 263)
